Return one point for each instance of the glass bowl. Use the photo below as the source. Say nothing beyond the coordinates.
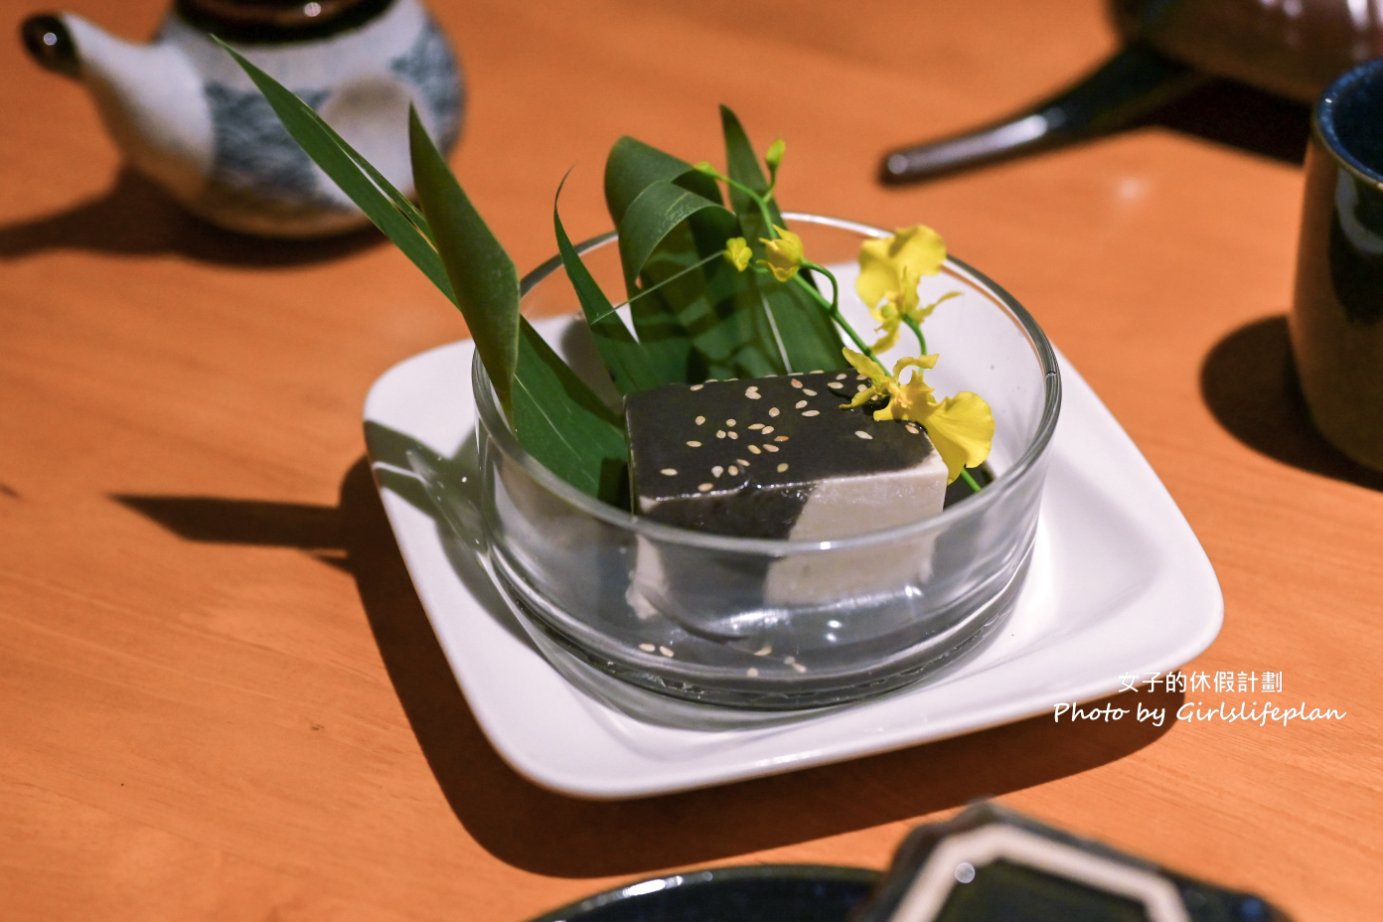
(689, 614)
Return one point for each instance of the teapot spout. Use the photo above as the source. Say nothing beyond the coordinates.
(149, 96)
(49, 42)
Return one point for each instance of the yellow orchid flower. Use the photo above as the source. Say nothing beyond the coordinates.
(890, 316)
(890, 270)
(910, 399)
(784, 254)
(961, 427)
(880, 382)
(889, 312)
(918, 249)
(738, 253)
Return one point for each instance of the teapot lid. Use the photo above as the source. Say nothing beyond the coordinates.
(273, 21)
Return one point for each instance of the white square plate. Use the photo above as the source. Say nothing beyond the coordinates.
(1118, 586)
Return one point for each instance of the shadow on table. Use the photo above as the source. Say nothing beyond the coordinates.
(1249, 382)
(549, 833)
(133, 217)
(538, 830)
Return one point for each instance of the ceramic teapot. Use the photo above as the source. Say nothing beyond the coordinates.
(184, 114)
(1292, 48)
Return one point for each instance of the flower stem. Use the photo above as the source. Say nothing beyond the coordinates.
(832, 307)
(917, 331)
(760, 200)
(970, 481)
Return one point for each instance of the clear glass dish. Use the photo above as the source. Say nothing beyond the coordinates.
(689, 614)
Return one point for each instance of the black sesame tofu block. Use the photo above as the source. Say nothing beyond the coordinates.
(777, 458)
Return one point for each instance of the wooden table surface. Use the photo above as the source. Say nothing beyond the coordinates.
(219, 696)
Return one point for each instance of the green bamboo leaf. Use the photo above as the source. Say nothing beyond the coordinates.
(633, 166)
(482, 275)
(743, 166)
(261, 79)
(564, 426)
(666, 229)
(630, 167)
(556, 417)
(374, 195)
(631, 367)
(659, 209)
(807, 334)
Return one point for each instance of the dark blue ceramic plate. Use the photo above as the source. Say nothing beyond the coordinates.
(763, 893)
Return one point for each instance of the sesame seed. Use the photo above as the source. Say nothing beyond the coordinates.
(741, 462)
(862, 434)
(781, 438)
(809, 392)
(812, 413)
(756, 425)
(911, 428)
(669, 472)
(836, 385)
(798, 668)
(861, 389)
(782, 468)
(700, 420)
(732, 470)
(647, 647)
(733, 435)
(764, 650)
(697, 387)
(789, 660)
(842, 376)
(752, 392)
(773, 448)
(754, 449)
(799, 404)
(767, 429)
(717, 471)
(665, 650)
(796, 383)
(720, 433)
(752, 672)
(693, 444)
(703, 488)
(772, 411)
(731, 423)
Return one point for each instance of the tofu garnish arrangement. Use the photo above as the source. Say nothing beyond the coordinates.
(778, 457)
(717, 507)
(723, 307)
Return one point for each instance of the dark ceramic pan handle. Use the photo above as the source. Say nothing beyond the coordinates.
(1130, 84)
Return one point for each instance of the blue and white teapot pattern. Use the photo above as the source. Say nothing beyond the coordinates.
(185, 115)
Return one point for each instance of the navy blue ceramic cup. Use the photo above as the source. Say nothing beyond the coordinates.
(1336, 321)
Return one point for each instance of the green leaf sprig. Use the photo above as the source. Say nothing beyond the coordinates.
(694, 314)
(556, 417)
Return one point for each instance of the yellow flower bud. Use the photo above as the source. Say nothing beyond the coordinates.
(783, 254)
(774, 157)
(738, 253)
